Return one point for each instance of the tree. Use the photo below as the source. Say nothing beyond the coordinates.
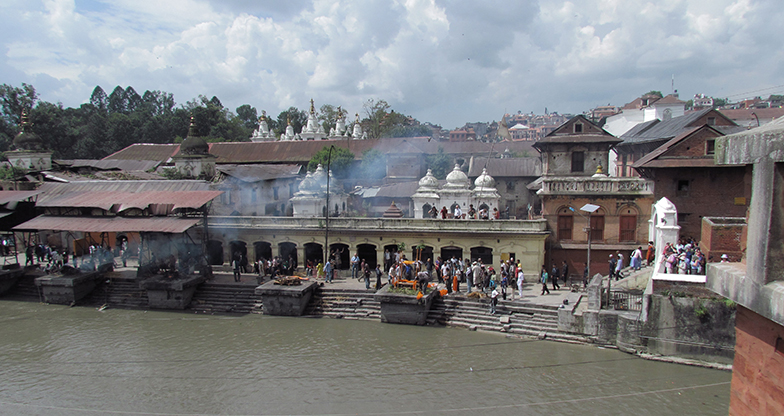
(98, 98)
(440, 163)
(340, 163)
(248, 116)
(298, 119)
(328, 116)
(656, 93)
(117, 103)
(373, 164)
(15, 99)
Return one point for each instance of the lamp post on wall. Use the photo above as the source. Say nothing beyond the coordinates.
(590, 209)
(326, 212)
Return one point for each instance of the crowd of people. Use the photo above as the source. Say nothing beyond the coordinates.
(683, 258)
(473, 214)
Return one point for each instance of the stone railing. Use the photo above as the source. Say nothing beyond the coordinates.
(388, 224)
(592, 186)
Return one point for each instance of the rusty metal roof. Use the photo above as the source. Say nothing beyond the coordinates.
(121, 201)
(109, 224)
(509, 167)
(14, 196)
(258, 173)
(160, 196)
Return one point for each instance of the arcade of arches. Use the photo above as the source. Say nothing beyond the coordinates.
(303, 246)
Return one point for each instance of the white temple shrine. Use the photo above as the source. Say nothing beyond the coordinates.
(262, 134)
(455, 192)
(313, 130)
(311, 199)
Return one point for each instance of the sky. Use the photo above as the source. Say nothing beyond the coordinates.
(447, 62)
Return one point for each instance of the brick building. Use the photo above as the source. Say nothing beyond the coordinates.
(573, 157)
(684, 172)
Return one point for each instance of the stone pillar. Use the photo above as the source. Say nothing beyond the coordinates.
(665, 226)
(301, 257)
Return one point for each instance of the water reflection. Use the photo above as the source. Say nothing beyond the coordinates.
(74, 361)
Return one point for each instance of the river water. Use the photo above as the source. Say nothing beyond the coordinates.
(79, 361)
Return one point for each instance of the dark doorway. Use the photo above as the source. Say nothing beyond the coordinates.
(391, 249)
(263, 250)
(215, 252)
(448, 252)
(483, 253)
(314, 252)
(426, 210)
(288, 249)
(422, 254)
(367, 252)
(341, 254)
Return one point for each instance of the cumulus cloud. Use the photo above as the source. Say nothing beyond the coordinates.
(440, 61)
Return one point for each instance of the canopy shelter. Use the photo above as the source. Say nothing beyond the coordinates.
(109, 224)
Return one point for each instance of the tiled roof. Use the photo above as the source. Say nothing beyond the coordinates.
(661, 129)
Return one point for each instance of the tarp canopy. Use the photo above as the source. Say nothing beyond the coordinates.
(109, 224)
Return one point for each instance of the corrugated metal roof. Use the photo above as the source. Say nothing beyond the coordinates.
(161, 196)
(14, 196)
(146, 151)
(109, 224)
(257, 173)
(399, 190)
(111, 164)
(119, 201)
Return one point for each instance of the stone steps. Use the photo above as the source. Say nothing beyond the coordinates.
(117, 293)
(225, 298)
(25, 290)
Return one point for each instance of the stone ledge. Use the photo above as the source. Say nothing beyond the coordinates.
(731, 281)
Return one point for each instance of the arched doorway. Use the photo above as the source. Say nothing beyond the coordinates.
(389, 249)
(426, 210)
(341, 256)
(263, 250)
(314, 252)
(286, 250)
(239, 249)
(215, 252)
(424, 253)
(482, 253)
(448, 252)
(367, 252)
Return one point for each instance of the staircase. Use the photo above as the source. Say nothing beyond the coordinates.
(25, 289)
(344, 303)
(225, 298)
(511, 317)
(117, 291)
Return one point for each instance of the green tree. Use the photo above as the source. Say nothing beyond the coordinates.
(340, 162)
(14, 100)
(654, 92)
(374, 165)
(440, 163)
(117, 102)
(248, 116)
(328, 116)
(298, 119)
(99, 99)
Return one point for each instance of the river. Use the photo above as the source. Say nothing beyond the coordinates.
(58, 360)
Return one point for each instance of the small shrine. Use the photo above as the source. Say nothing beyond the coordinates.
(456, 192)
(30, 153)
(194, 159)
(262, 134)
(311, 199)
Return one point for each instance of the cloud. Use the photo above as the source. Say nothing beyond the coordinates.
(440, 61)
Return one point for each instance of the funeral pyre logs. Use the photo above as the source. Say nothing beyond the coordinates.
(290, 280)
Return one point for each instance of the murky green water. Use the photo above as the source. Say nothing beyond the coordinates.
(78, 361)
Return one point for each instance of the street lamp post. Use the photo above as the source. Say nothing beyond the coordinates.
(590, 209)
(326, 212)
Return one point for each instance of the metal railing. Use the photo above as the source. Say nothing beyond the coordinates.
(621, 300)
